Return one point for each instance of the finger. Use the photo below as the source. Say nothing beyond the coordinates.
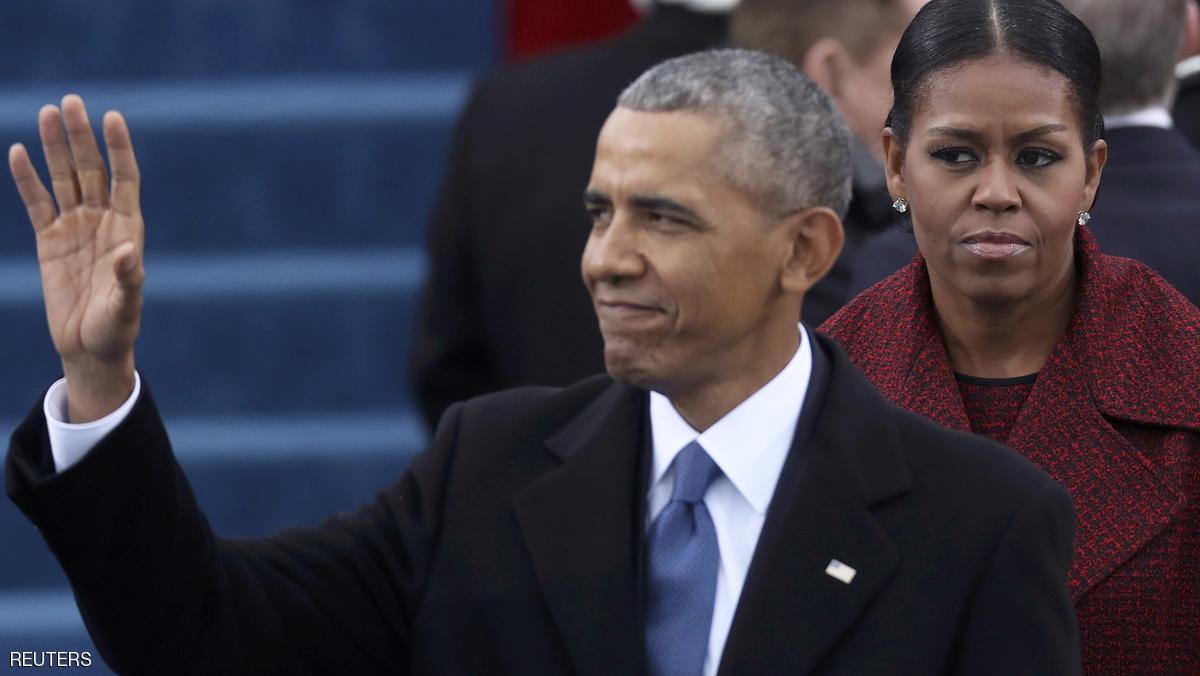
(89, 165)
(38, 202)
(58, 158)
(128, 270)
(126, 179)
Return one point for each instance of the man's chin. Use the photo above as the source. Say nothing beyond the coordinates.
(628, 365)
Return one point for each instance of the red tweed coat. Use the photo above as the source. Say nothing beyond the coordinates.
(1114, 417)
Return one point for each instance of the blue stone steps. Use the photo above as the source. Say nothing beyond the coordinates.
(44, 621)
(290, 151)
(245, 334)
(268, 164)
(198, 38)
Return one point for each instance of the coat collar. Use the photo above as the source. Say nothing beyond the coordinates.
(821, 511)
(1139, 340)
(578, 521)
(1129, 353)
(581, 523)
(1135, 341)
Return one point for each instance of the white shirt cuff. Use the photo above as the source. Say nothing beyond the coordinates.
(70, 442)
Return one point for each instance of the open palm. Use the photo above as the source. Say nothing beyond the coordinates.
(90, 246)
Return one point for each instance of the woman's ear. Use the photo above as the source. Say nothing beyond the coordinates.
(1094, 166)
(815, 238)
(893, 164)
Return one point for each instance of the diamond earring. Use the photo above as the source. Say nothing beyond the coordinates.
(1082, 218)
(900, 205)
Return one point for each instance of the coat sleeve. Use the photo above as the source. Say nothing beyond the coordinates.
(449, 360)
(1021, 620)
(160, 593)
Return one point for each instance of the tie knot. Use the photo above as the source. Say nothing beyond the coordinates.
(694, 471)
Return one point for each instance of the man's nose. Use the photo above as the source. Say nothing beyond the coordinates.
(997, 190)
(613, 252)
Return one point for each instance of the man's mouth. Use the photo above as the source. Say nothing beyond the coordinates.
(624, 310)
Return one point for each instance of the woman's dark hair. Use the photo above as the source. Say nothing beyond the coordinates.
(1042, 32)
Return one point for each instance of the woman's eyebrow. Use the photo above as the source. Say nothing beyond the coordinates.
(978, 137)
(1039, 131)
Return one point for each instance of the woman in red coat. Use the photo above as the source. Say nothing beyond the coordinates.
(1012, 324)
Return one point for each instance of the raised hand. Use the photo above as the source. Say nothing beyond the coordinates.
(89, 251)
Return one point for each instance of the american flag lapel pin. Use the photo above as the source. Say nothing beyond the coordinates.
(840, 571)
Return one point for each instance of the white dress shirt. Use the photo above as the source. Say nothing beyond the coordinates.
(750, 445)
(1154, 116)
(70, 442)
(703, 6)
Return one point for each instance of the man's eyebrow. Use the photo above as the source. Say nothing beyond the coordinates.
(659, 203)
(594, 198)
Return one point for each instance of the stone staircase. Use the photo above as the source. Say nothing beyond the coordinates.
(290, 152)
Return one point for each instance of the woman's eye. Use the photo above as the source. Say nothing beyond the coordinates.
(953, 155)
(1037, 157)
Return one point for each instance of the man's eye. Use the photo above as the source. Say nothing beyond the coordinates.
(665, 220)
(598, 214)
(1037, 157)
(953, 155)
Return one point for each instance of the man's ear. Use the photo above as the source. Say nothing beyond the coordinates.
(826, 63)
(893, 164)
(1094, 166)
(815, 241)
(1191, 31)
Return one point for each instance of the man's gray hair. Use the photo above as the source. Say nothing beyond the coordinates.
(1139, 44)
(786, 146)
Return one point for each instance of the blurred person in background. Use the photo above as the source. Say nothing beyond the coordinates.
(846, 47)
(1149, 206)
(502, 306)
(1187, 101)
(1012, 324)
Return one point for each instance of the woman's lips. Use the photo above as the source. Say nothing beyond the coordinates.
(996, 245)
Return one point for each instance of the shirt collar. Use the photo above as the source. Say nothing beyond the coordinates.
(749, 444)
(1155, 116)
(1187, 67)
(702, 6)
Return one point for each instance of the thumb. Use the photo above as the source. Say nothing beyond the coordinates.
(129, 273)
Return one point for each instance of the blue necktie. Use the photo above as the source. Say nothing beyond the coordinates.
(682, 560)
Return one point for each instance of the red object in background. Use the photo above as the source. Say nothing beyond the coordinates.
(538, 26)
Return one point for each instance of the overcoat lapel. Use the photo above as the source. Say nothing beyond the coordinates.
(820, 512)
(579, 523)
(1120, 502)
(930, 383)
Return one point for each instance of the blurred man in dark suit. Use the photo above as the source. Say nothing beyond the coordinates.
(1187, 101)
(846, 47)
(503, 305)
(1148, 207)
